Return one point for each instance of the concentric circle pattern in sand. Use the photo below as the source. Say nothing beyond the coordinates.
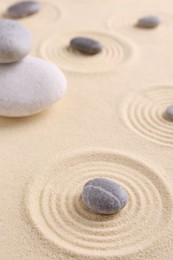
(123, 21)
(48, 14)
(144, 113)
(56, 209)
(116, 50)
(93, 1)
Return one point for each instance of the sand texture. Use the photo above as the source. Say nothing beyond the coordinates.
(109, 124)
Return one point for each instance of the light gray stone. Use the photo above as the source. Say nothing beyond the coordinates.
(15, 41)
(29, 86)
(86, 45)
(23, 9)
(104, 196)
(169, 113)
(149, 22)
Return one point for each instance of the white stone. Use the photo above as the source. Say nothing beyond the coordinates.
(29, 86)
(15, 41)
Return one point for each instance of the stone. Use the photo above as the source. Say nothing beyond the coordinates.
(149, 22)
(169, 113)
(23, 9)
(86, 45)
(104, 196)
(29, 86)
(15, 41)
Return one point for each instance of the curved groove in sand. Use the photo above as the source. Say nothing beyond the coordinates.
(123, 21)
(144, 113)
(48, 14)
(55, 206)
(116, 50)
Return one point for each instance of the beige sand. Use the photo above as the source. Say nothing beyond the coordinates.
(109, 124)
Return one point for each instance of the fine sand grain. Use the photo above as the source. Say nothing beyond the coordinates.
(110, 124)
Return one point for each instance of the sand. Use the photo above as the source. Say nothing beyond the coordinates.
(109, 124)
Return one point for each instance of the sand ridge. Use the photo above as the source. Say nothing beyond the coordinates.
(116, 49)
(114, 106)
(55, 206)
(126, 20)
(145, 114)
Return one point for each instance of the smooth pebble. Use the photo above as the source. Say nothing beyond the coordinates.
(15, 41)
(149, 22)
(169, 113)
(29, 86)
(23, 9)
(104, 196)
(86, 45)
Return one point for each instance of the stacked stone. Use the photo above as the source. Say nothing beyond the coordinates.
(28, 85)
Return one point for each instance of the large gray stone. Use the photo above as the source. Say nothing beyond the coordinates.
(104, 196)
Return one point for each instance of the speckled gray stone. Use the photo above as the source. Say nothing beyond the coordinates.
(15, 41)
(169, 113)
(22, 9)
(149, 22)
(86, 45)
(104, 196)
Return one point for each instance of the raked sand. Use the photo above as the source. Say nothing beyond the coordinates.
(109, 124)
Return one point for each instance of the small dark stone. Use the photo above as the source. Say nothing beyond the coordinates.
(86, 45)
(169, 113)
(23, 9)
(104, 196)
(149, 22)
